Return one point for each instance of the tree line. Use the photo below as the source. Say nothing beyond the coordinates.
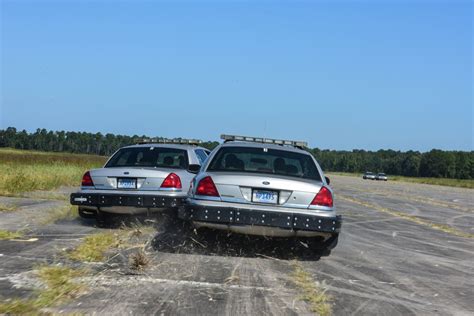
(435, 163)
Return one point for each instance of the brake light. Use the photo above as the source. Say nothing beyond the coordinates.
(207, 187)
(172, 181)
(323, 198)
(87, 180)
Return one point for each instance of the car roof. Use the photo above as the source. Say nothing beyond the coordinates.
(264, 145)
(174, 146)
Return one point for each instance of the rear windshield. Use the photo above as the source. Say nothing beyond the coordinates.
(149, 157)
(263, 160)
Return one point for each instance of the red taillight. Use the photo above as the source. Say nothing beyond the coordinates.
(87, 180)
(207, 187)
(323, 198)
(172, 181)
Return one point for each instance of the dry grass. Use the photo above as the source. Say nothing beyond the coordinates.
(8, 208)
(58, 287)
(94, 247)
(7, 235)
(312, 292)
(25, 171)
(444, 228)
(138, 260)
(459, 183)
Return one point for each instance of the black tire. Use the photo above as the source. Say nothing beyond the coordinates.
(102, 219)
(319, 248)
(331, 243)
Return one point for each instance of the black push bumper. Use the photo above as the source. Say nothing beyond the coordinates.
(135, 200)
(237, 216)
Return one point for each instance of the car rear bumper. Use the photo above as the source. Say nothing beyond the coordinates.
(106, 200)
(247, 217)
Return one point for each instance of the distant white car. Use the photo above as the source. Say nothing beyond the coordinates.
(381, 176)
(368, 176)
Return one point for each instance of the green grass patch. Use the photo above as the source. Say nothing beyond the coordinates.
(58, 288)
(8, 208)
(459, 183)
(94, 247)
(312, 291)
(25, 171)
(6, 235)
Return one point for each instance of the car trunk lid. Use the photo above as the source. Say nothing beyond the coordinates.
(122, 178)
(257, 188)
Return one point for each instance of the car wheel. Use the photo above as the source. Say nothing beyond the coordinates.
(331, 243)
(324, 248)
(102, 219)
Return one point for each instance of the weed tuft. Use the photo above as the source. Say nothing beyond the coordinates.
(6, 235)
(138, 260)
(311, 291)
(8, 208)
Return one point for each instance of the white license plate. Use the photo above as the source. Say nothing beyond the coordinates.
(263, 196)
(126, 183)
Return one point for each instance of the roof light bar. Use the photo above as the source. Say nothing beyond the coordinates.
(282, 142)
(170, 141)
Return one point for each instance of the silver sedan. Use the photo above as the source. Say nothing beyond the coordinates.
(140, 178)
(266, 187)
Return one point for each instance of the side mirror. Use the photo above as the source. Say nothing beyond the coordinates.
(194, 168)
(327, 180)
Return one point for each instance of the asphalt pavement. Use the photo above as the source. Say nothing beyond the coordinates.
(404, 249)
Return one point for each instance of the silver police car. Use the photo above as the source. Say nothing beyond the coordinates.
(149, 176)
(261, 186)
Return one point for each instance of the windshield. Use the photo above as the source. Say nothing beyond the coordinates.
(157, 157)
(263, 160)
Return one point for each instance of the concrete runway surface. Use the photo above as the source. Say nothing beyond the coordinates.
(404, 249)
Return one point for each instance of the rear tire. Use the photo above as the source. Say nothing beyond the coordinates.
(102, 219)
(329, 245)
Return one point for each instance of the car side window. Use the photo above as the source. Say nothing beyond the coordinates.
(201, 155)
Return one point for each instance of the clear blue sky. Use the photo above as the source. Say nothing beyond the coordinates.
(343, 75)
